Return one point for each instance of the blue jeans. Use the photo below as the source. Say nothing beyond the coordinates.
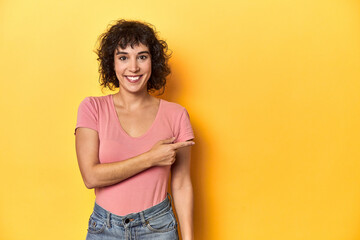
(157, 222)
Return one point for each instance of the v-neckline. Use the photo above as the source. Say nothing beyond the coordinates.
(120, 126)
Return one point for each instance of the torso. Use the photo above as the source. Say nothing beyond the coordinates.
(149, 187)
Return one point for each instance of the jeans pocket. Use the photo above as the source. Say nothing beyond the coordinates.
(163, 223)
(96, 224)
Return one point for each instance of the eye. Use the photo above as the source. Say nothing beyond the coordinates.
(122, 58)
(143, 57)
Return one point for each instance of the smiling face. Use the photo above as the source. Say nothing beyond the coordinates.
(133, 67)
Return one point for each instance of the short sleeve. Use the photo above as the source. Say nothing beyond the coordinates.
(185, 129)
(87, 115)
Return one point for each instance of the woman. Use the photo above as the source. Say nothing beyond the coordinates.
(127, 143)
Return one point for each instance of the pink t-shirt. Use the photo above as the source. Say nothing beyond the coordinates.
(149, 187)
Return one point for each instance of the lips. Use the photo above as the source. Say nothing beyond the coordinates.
(133, 79)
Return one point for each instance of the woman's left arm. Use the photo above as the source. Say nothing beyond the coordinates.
(182, 192)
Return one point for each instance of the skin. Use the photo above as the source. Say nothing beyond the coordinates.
(138, 111)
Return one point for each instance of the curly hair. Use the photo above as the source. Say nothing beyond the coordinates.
(124, 33)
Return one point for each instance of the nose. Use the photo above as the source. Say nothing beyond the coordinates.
(134, 67)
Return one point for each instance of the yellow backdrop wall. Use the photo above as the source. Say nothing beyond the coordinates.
(272, 88)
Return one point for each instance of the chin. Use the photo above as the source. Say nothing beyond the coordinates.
(136, 90)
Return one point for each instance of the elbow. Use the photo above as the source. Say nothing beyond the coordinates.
(89, 182)
(90, 178)
(89, 185)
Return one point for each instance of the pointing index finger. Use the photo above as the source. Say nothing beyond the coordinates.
(183, 144)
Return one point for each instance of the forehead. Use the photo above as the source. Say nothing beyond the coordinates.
(135, 48)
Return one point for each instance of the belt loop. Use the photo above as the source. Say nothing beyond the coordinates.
(143, 218)
(108, 220)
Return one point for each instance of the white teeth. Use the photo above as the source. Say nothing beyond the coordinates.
(133, 78)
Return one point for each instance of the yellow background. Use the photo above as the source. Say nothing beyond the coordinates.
(272, 88)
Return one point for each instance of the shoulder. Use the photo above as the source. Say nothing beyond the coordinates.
(94, 101)
(172, 106)
(174, 112)
(96, 98)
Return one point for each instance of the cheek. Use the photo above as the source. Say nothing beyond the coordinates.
(118, 68)
(148, 67)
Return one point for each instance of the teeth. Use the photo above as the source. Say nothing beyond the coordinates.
(133, 78)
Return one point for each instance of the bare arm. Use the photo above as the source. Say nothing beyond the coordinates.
(96, 174)
(183, 192)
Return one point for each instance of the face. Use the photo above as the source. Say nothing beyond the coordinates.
(133, 67)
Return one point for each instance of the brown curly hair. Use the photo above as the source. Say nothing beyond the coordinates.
(124, 33)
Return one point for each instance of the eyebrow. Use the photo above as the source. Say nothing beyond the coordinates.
(142, 52)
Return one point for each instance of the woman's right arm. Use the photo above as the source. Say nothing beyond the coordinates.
(96, 174)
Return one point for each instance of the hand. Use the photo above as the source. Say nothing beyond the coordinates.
(163, 153)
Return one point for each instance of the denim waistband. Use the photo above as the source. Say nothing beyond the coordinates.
(134, 219)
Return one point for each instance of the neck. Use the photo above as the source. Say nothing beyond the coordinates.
(131, 100)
